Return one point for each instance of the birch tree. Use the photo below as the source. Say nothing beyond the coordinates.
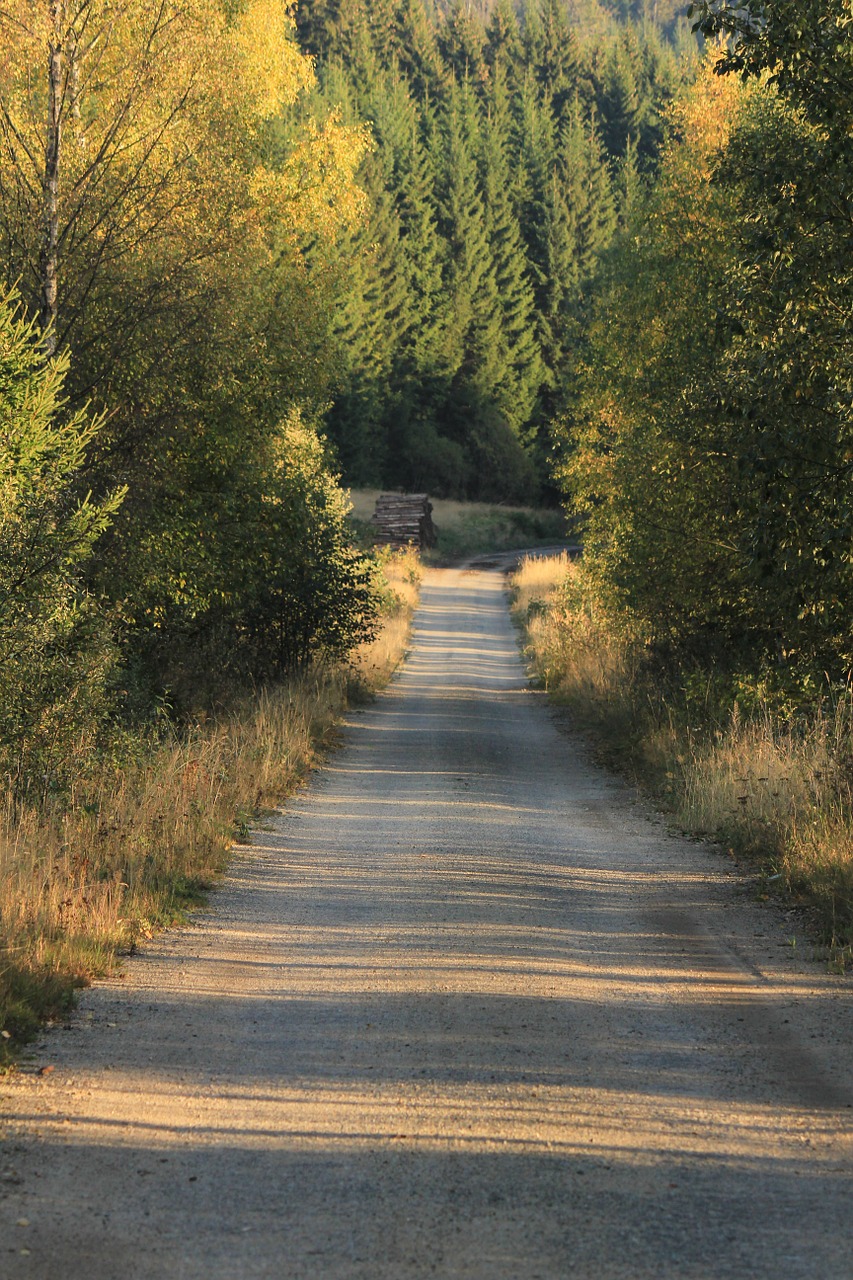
(130, 132)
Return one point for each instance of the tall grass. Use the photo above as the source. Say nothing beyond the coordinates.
(374, 663)
(776, 788)
(148, 825)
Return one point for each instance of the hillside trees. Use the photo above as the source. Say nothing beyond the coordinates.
(492, 123)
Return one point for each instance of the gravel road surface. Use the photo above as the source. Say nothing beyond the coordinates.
(465, 1010)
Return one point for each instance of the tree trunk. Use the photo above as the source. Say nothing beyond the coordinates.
(48, 264)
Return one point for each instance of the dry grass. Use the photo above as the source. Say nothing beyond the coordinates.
(148, 831)
(572, 650)
(535, 581)
(138, 840)
(780, 791)
(376, 662)
(783, 793)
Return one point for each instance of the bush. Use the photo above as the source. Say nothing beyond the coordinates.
(309, 593)
(56, 652)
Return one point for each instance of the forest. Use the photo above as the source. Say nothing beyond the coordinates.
(509, 143)
(571, 252)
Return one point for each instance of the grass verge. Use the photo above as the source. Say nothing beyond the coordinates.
(778, 790)
(148, 830)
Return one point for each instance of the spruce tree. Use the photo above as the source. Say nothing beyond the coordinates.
(316, 26)
(419, 55)
(585, 177)
(581, 223)
(536, 157)
(619, 99)
(463, 42)
(557, 66)
(520, 342)
(503, 41)
(369, 327)
(427, 354)
(479, 411)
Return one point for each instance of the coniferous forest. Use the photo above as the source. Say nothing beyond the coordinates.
(509, 142)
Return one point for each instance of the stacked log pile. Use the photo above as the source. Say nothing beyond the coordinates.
(404, 520)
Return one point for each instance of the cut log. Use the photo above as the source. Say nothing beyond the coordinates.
(404, 520)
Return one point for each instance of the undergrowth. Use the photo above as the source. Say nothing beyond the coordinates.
(776, 788)
(148, 825)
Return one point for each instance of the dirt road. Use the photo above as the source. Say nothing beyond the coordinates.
(464, 1012)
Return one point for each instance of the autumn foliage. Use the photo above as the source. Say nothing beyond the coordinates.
(709, 448)
(159, 184)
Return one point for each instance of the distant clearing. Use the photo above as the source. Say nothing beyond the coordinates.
(469, 528)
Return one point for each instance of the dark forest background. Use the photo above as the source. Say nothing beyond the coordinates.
(510, 143)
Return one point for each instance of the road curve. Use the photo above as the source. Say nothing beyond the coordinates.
(464, 1011)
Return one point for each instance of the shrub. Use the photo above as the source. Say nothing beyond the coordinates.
(308, 592)
(56, 652)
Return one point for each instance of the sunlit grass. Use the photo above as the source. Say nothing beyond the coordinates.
(571, 647)
(148, 828)
(783, 792)
(778, 790)
(376, 661)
